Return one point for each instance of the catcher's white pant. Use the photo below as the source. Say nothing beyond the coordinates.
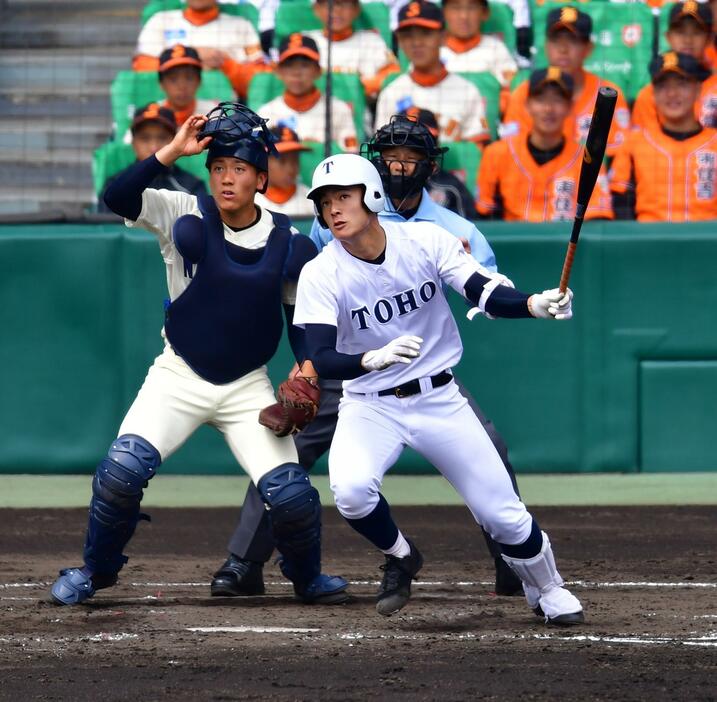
(174, 401)
(372, 432)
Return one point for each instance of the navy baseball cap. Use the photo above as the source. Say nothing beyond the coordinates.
(154, 112)
(550, 76)
(568, 17)
(682, 64)
(420, 13)
(287, 140)
(297, 44)
(178, 55)
(424, 117)
(700, 12)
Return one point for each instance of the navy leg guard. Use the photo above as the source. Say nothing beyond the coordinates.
(295, 512)
(116, 495)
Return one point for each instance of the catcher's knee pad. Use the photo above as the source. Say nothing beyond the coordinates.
(116, 495)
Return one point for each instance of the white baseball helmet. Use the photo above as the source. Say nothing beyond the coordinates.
(348, 169)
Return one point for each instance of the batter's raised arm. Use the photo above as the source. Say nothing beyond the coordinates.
(124, 195)
(498, 300)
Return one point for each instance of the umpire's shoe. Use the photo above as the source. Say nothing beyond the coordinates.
(395, 589)
(237, 577)
(74, 586)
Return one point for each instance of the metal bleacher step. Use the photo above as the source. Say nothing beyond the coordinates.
(45, 134)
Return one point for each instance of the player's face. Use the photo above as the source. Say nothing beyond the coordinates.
(284, 170)
(201, 4)
(298, 75)
(688, 37)
(343, 210)
(234, 183)
(566, 51)
(422, 46)
(402, 160)
(675, 98)
(181, 85)
(464, 17)
(149, 138)
(548, 110)
(342, 16)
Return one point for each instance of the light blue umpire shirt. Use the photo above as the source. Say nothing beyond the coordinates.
(428, 211)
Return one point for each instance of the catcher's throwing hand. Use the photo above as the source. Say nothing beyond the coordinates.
(299, 399)
(551, 304)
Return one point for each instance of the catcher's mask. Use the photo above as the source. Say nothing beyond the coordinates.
(238, 132)
(404, 131)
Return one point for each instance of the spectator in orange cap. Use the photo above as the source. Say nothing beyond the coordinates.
(285, 194)
(567, 46)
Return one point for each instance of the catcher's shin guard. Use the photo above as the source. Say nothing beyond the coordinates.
(544, 587)
(295, 512)
(116, 495)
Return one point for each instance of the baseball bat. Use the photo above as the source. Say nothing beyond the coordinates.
(593, 155)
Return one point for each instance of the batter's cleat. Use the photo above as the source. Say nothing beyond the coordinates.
(324, 590)
(507, 583)
(395, 589)
(74, 587)
(544, 589)
(238, 577)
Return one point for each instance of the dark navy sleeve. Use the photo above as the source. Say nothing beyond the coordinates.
(301, 252)
(502, 302)
(297, 336)
(329, 363)
(124, 195)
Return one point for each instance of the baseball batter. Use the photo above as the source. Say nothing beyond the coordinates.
(230, 267)
(376, 316)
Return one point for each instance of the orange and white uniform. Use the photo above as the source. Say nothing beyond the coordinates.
(233, 35)
(674, 181)
(307, 115)
(289, 201)
(536, 193)
(577, 124)
(482, 53)
(644, 113)
(458, 106)
(363, 52)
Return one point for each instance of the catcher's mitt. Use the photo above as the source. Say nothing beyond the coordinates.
(298, 404)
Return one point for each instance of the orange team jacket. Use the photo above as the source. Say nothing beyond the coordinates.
(533, 193)
(644, 113)
(517, 119)
(675, 181)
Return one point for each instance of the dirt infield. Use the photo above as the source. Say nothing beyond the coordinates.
(646, 577)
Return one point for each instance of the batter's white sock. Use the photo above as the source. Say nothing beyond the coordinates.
(400, 549)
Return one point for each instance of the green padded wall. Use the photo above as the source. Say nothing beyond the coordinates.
(626, 386)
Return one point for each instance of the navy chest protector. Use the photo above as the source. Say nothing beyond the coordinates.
(229, 320)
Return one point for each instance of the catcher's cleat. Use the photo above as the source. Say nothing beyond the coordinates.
(507, 583)
(323, 590)
(395, 589)
(74, 587)
(238, 577)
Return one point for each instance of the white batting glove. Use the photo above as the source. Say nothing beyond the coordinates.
(551, 304)
(401, 350)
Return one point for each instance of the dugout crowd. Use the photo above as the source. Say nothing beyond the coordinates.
(508, 86)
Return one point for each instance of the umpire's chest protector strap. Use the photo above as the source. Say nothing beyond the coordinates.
(228, 321)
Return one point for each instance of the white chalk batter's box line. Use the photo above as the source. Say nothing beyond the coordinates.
(710, 640)
(420, 583)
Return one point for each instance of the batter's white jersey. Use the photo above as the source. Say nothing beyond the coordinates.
(162, 208)
(234, 35)
(372, 304)
(364, 52)
(309, 122)
(490, 55)
(296, 206)
(456, 102)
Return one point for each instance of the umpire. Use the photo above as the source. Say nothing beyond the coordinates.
(406, 154)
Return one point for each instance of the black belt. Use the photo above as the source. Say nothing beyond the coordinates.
(413, 387)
